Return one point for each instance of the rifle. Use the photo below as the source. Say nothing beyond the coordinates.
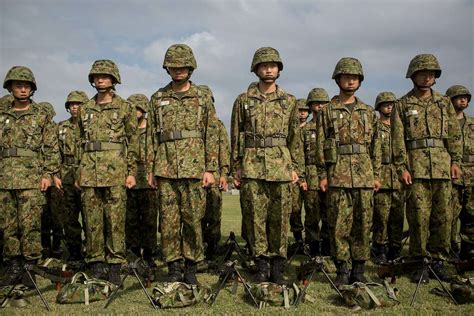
(463, 265)
(397, 267)
(231, 245)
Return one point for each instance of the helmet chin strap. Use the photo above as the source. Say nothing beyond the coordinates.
(181, 81)
(103, 90)
(269, 80)
(25, 98)
(420, 87)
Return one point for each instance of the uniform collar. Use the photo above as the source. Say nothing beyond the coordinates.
(337, 105)
(191, 93)
(254, 92)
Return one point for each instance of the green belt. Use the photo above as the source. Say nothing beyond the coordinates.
(468, 158)
(351, 149)
(425, 143)
(69, 160)
(176, 135)
(102, 146)
(17, 152)
(265, 142)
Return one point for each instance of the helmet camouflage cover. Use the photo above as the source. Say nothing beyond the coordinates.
(104, 67)
(348, 66)
(76, 96)
(139, 100)
(424, 62)
(266, 55)
(20, 73)
(317, 95)
(458, 90)
(179, 56)
(385, 96)
(302, 106)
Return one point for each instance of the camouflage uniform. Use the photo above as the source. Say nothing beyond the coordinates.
(142, 212)
(389, 203)
(462, 202)
(108, 156)
(29, 152)
(425, 142)
(266, 148)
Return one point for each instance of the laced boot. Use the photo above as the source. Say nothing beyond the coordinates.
(342, 277)
(190, 272)
(357, 272)
(114, 273)
(98, 270)
(262, 270)
(174, 271)
(276, 273)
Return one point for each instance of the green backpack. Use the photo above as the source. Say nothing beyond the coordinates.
(272, 294)
(369, 295)
(84, 289)
(180, 294)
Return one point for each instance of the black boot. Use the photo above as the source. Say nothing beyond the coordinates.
(325, 247)
(263, 270)
(467, 250)
(13, 273)
(25, 279)
(174, 271)
(148, 257)
(440, 270)
(211, 250)
(378, 252)
(114, 273)
(190, 272)
(357, 273)
(393, 253)
(315, 248)
(342, 277)
(276, 273)
(98, 270)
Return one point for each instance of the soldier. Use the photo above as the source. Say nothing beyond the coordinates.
(296, 225)
(315, 200)
(29, 159)
(107, 165)
(69, 140)
(184, 159)
(389, 204)
(266, 155)
(141, 219)
(348, 164)
(426, 151)
(463, 188)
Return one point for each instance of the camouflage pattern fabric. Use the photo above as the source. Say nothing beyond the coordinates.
(52, 221)
(389, 216)
(179, 294)
(182, 205)
(19, 73)
(104, 216)
(69, 147)
(369, 295)
(84, 289)
(247, 220)
(272, 294)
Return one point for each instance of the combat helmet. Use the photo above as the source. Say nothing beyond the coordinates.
(139, 100)
(76, 96)
(317, 95)
(302, 105)
(423, 62)
(385, 96)
(348, 66)
(104, 67)
(179, 56)
(266, 55)
(20, 73)
(458, 90)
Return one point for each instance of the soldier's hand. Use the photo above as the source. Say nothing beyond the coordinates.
(130, 182)
(223, 185)
(294, 177)
(304, 186)
(237, 179)
(456, 172)
(207, 179)
(45, 184)
(323, 184)
(406, 178)
(377, 185)
(152, 180)
(58, 183)
(77, 185)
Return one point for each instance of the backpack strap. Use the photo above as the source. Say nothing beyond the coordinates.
(286, 298)
(371, 294)
(86, 295)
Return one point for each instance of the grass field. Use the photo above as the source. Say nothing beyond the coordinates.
(133, 301)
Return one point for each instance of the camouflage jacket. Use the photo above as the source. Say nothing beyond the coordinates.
(108, 151)
(265, 139)
(185, 132)
(69, 140)
(224, 153)
(348, 149)
(425, 136)
(467, 164)
(388, 173)
(144, 138)
(29, 148)
(309, 138)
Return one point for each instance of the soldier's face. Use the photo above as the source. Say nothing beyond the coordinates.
(178, 74)
(103, 81)
(303, 115)
(73, 108)
(21, 89)
(267, 72)
(424, 79)
(460, 102)
(317, 106)
(348, 82)
(386, 108)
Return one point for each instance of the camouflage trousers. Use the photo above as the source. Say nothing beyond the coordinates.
(389, 217)
(269, 205)
(456, 207)
(104, 217)
(350, 219)
(246, 226)
(296, 224)
(429, 217)
(211, 223)
(182, 204)
(52, 220)
(72, 207)
(20, 220)
(467, 221)
(141, 223)
(315, 207)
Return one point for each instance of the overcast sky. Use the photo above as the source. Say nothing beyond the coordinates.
(60, 39)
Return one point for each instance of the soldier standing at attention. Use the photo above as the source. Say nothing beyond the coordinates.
(389, 202)
(266, 155)
(463, 187)
(107, 166)
(426, 149)
(29, 158)
(184, 159)
(348, 167)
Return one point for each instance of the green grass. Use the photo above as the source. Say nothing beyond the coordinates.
(133, 301)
